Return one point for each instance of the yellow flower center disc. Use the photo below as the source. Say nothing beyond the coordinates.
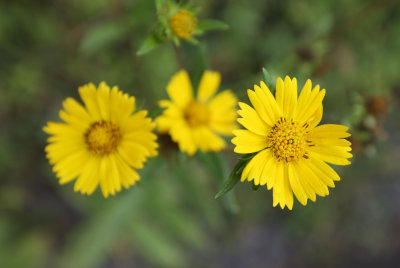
(197, 114)
(103, 137)
(183, 24)
(288, 140)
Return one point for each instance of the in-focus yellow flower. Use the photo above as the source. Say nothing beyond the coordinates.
(197, 123)
(103, 143)
(291, 150)
(183, 24)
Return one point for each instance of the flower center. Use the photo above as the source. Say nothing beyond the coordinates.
(197, 114)
(288, 140)
(183, 24)
(103, 137)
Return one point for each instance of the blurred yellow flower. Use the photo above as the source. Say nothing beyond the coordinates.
(102, 143)
(197, 123)
(291, 150)
(183, 23)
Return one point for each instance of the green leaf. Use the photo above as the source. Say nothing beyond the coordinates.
(156, 111)
(268, 79)
(218, 167)
(150, 43)
(210, 24)
(234, 177)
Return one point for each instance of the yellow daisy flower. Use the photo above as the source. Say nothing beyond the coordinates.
(197, 123)
(291, 151)
(183, 24)
(102, 143)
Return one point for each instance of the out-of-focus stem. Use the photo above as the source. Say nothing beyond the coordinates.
(178, 55)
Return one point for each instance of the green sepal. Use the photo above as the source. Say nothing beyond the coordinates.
(192, 40)
(150, 43)
(268, 79)
(210, 24)
(155, 112)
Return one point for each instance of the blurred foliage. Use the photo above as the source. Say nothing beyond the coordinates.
(171, 219)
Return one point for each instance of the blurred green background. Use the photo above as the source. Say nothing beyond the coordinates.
(49, 48)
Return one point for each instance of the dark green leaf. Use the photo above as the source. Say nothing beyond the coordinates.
(218, 167)
(268, 79)
(233, 178)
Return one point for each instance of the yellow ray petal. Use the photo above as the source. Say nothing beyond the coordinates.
(182, 134)
(268, 99)
(261, 160)
(251, 120)
(207, 140)
(296, 185)
(307, 112)
(180, 89)
(318, 184)
(121, 105)
(286, 96)
(248, 142)
(103, 100)
(76, 110)
(209, 84)
(330, 131)
(267, 175)
(330, 158)
(223, 113)
(260, 107)
(88, 94)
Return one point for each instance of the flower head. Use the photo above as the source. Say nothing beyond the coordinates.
(101, 143)
(183, 24)
(197, 123)
(291, 150)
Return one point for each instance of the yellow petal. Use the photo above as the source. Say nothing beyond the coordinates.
(88, 94)
(327, 157)
(260, 160)
(251, 120)
(182, 134)
(180, 89)
(76, 110)
(121, 105)
(330, 131)
(296, 185)
(248, 142)
(103, 99)
(267, 174)
(286, 96)
(129, 176)
(223, 113)
(269, 101)
(282, 192)
(260, 107)
(317, 183)
(207, 140)
(307, 111)
(209, 84)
